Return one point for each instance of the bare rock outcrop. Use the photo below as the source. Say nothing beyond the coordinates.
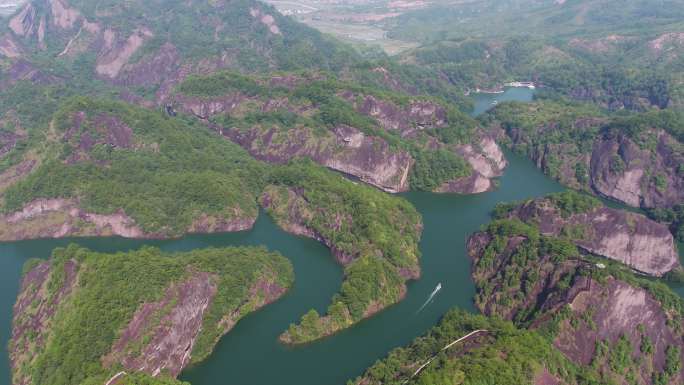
(58, 218)
(110, 63)
(9, 47)
(172, 325)
(408, 119)
(23, 70)
(33, 312)
(176, 319)
(590, 314)
(639, 177)
(346, 149)
(487, 162)
(172, 335)
(633, 239)
(24, 23)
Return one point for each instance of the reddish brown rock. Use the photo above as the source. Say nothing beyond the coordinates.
(33, 313)
(633, 239)
(171, 325)
(623, 171)
(590, 309)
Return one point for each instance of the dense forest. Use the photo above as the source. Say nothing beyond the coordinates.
(617, 54)
(88, 321)
(155, 119)
(534, 282)
(181, 172)
(374, 235)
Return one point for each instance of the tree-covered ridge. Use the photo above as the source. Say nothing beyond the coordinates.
(321, 104)
(567, 202)
(254, 35)
(499, 354)
(618, 54)
(545, 283)
(568, 326)
(331, 97)
(98, 295)
(529, 17)
(592, 151)
(619, 235)
(181, 170)
(374, 235)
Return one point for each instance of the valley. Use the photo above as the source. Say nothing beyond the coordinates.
(362, 192)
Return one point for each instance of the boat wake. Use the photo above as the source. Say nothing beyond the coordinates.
(431, 297)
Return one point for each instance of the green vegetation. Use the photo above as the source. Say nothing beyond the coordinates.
(525, 276)
(222, 28)
(564, 139)
(325, 109)
(434, 168)
(535, 254)
(545, 131)
(112, 287)
(609, 52)
(374, 234)
(502, 355)
(505, 288)
(571, 202)
(182, 171)
(140, 379)
(674, 217)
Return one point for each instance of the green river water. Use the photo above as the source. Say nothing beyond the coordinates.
(250, 354)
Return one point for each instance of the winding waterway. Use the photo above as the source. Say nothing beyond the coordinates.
(250, 353)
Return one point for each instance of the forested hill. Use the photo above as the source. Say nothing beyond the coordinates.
(566, 19)
(146, 47)
(619, 54)
(143, 120)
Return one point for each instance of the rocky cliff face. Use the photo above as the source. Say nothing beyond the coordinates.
(62, 216)
(156, 337)
(640, 170)
(347, 149)
(640, 176)
(412, 119)
(592, 315)
(58, 218)
(33, 313)
(407, 119)
(343, 148)
(170, 335)
(630, 238)
(298, 213)
(487, 162)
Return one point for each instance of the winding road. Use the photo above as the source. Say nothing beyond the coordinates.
(465, 337)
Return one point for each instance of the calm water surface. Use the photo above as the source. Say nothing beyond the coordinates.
(484, 102)
(250, 353)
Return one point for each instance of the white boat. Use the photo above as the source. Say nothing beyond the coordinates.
(494, 103)
(434, 292)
